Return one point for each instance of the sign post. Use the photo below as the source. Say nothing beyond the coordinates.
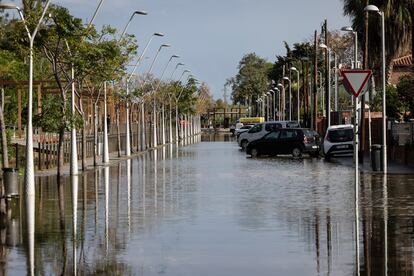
(355, 82)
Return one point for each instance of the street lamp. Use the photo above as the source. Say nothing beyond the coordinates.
(290, 97)
(127, 136)
(162, 109)
(175, 69)
(273, 103)
(176, 105)
(29, 180)
(29, 169)
(155, 142)
(298, 72)
(351, 30)
(278, 103)
(372, 8)
(282, 102)
(328, 109)
(130, 19)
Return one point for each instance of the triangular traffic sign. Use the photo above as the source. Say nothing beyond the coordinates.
(355, 80)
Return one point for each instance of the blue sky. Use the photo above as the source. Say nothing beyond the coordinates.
(212, 36)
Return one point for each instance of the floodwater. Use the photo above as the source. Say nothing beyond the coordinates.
(206, 209)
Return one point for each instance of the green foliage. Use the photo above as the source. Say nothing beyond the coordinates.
(52, 119)
(406, 94)
(252, 79)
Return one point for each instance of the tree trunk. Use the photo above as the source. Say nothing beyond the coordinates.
(5, 153)
(60, 152)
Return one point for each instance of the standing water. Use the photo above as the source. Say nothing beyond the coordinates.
(206, 209)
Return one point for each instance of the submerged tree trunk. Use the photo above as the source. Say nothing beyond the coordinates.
(84, 148)
(5, 155)
(60, 152)
(95, 133)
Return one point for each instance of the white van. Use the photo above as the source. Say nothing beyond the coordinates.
(260, 130)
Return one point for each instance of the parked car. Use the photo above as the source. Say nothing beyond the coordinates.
(260, 130)
(293, 141)
(338, 140)
(243, 129)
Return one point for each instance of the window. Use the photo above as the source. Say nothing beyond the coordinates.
(288, 134)
(256, 128)
(272, 135)
(272, 127)
(292, 124)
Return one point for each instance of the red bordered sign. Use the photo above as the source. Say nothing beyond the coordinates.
(355, 80)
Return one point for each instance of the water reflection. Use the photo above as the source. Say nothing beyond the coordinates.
(205, 209)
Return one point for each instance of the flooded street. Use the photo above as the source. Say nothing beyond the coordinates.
(207, 209)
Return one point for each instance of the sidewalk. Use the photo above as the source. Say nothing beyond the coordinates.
(393, 167)
(113, 160)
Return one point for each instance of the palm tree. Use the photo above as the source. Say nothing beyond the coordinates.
(398, 28)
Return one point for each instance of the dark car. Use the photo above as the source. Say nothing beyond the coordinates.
(293, 141)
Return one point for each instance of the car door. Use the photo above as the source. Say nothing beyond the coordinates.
(268, 144)
(287, 140)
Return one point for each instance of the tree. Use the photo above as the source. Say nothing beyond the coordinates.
(252, 79)
(405, 90)
(398, 29)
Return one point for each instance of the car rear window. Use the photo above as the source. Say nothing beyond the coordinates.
(341, 135)
(292, 125)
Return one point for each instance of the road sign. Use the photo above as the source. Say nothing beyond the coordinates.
(355, 81)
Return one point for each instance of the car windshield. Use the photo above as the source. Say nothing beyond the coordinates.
(255, 129)
(341, 135)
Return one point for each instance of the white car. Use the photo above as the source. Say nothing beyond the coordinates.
(260, 130)
(338, 140)
(245, 128)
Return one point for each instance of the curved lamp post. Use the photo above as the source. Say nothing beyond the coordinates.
(155, 142)
(372, 8)
(130, 19)
(328, 109)
(282, 102)
(163, 109)
(290, 97)
(29, 181)
(177, 98)
(127, 136)
(298, 99)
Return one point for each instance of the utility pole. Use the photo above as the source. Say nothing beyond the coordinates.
(315, 82)
(327, 77)
(362, 132)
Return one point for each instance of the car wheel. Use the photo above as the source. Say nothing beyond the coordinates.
(254, 153)
(244, 144)
(297, 152)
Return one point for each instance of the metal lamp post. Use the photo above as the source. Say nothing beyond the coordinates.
(290, 97)
(29, 181)
(130, 19)
(127, 123)
(273, 105)
(328, 111)
(175, 69)
(278, 103)
(162, 109)
(372, 8)
(155, 142)
(177, 137)
(355, 64)
(298, 99)
(282, 102)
